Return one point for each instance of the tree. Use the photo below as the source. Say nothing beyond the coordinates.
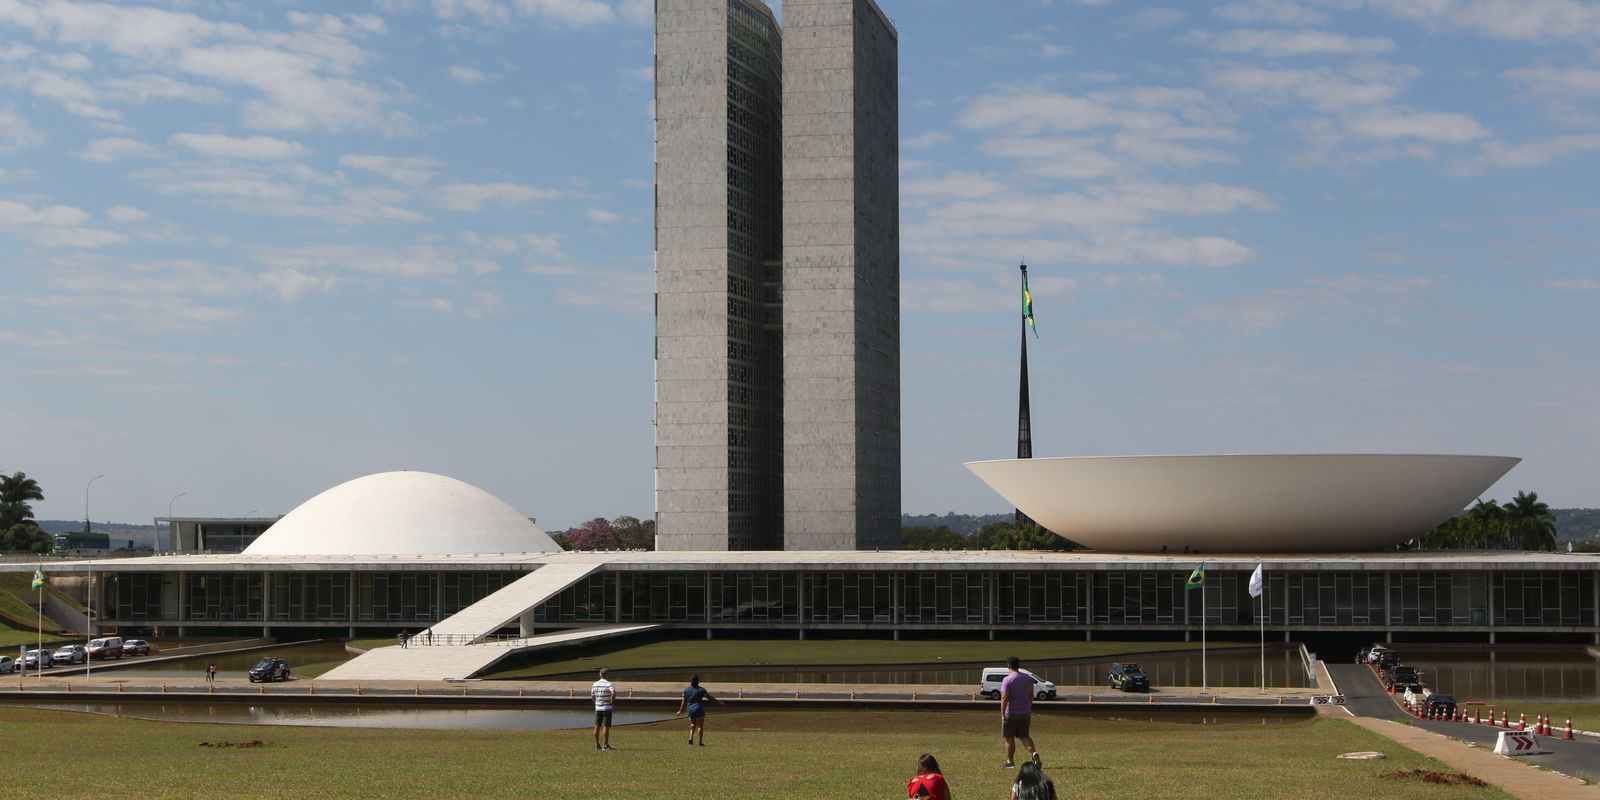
(596, 534)
(16, 491)
(925, 538)
(635, 534)
(1529, 523)
(26, 537)
(1010, 536)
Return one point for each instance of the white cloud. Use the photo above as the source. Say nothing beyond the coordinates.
(248, 148)
(106, 151)
(1569, 82)
(603, 216)
(571, 13)
(1516, 20)
(1281, 44)
(72, 62)
(126, 214)
(1536, 153)
(466, 76)
(407, 170)
(929, 139)
(1573, 284)
(54, 226)
(1426, 125)
(474, 196)
(16, 131)
(1281, 12)
(966, 185)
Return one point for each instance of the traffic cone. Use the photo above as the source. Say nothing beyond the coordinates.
(1568, 735)
(1477, 716)
(1505, 722)
(1522, 721)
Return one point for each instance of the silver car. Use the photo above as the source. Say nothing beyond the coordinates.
(70, 654)
(33, 657)
(7, 664)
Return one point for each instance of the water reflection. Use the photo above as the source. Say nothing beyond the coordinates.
(1551, 674)
(1232, 668)
(360, 716)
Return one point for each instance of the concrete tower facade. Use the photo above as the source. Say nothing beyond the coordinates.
(841, 276)
(777, 276)
(719, 358)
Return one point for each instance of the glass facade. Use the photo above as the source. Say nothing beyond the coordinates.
(1081, 599)
(1419, 600)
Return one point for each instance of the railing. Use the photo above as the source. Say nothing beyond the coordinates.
(1308, 660)
(428, 638)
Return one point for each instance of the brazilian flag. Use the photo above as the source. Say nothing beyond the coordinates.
(1197, 579)
(38, 579)
(1027, 306)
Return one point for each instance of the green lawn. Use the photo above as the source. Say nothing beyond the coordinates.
(1585, 716)
(820, 755)
(10, 638)
(700, 654)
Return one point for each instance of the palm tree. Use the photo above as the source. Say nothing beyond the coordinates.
(1487, 521)
(15, 492)
(1529, 522)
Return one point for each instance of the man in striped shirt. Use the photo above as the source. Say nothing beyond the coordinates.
(605, 697)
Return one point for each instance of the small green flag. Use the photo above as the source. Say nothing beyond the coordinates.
(1197, 579)
(38, 579)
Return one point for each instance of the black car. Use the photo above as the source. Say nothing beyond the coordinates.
(1387, 658)
(1440, 705)
(1399, 674)
(270, 669)
(1128, 677)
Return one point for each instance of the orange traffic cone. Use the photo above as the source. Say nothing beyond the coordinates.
(1505, 722)
(1477, 717)
(1568, 734)
(1522, 722)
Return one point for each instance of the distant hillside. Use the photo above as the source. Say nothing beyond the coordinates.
(1579, 524)
(120, 532)
(960, 523)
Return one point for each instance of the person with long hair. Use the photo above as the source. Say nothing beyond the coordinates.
(929, 781)
(1032, 784)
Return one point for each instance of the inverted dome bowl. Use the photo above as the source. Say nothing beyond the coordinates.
(1242, 503)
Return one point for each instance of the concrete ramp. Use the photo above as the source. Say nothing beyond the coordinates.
(444, 662)
(505, 606)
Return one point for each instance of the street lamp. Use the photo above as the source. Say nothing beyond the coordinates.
(86, 486)
(172, 534)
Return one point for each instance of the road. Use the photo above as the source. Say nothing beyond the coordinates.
(1366, 697)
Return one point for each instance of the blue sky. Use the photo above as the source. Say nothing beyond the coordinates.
(251, 250)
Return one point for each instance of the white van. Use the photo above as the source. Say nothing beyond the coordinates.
(104, 648)
(990, 685)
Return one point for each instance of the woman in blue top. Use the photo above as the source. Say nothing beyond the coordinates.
(694, 702)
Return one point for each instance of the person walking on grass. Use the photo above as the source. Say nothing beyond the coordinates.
(211, 673)
(928, 782)
(605, 698)
(694, 702)
(1016, 711)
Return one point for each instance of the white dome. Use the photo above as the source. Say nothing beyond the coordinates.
(402, 513)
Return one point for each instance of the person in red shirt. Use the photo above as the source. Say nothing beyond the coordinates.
(928, 782)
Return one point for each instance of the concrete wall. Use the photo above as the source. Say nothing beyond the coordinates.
(840, 277)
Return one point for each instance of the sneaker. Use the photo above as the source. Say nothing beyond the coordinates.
(1008, 765)
(1036, 759)
(608, 747)
(597, 746)
(702, 744)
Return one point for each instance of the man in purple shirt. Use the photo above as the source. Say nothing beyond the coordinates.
(1016, 710)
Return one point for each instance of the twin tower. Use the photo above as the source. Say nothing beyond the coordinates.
(777, 238)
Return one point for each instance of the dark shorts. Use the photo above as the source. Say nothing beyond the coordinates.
(1017, 726)
(700, 717)
(602, 719)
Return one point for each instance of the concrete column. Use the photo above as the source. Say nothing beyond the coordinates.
(525, 624)
(266, 598)
(802, 634)
(183, 600)
(897, 634)
(1388, 613)
(708, 634)
(616, 600)
(1088, 635)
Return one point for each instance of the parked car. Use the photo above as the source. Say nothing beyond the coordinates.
(1399, 673)
(270, 669)
(1361, 655)
(70, 654)
(136, 647)
(992, 677)
(32, 659)
(1387, 658)
(1440, 704)
(1374, 653)
(106, 647)
(1128, 677)
(7, 664)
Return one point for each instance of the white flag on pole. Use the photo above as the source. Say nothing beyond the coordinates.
(1257, 584)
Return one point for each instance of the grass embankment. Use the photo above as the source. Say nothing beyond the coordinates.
(817, 755)
(702, 654)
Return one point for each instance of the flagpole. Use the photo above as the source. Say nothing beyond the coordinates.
(88, 669)
(40, 671)
(1261, 615)
(1203, 680)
